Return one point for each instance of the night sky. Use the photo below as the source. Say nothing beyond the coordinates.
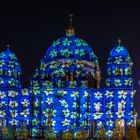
(31, 26)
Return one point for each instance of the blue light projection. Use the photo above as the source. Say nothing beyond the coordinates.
(68, 83)
(64, 93)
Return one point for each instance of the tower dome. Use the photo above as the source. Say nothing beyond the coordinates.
(10, 71)
(119, 54)
(68, 59)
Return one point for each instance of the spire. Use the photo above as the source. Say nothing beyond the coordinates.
(70, 31)
(119, 41)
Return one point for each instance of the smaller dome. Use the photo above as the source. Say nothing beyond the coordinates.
(119, 55)
(10, 60)
(119, 51)
(8, 55)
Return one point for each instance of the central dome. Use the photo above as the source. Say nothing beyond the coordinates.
(67, 60)
(70, 47)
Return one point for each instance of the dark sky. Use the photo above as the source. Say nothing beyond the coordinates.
(31, 26)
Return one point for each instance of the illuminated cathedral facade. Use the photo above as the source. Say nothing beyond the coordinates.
(65, 92)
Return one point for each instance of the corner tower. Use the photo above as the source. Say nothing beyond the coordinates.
(119, 67)
(10, 89)
(10, 70)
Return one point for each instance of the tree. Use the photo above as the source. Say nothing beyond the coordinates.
(118, 132)
(114, 135)
(101, 135)
(49, 133)
(81, 134)
(9, 132)
(22, 132)
(68, 135)
(131, 134)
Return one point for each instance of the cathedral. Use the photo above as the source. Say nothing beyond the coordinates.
(64, 93)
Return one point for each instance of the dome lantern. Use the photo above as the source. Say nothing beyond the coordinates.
(70, 31)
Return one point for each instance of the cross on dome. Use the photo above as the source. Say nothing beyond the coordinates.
(8, 46)
(119, 41)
